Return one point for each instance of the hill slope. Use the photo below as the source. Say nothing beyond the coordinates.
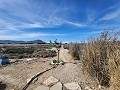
(21, 42)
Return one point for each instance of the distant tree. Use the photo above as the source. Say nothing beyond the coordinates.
(50, 41)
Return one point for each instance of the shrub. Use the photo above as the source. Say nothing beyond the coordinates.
(44, 53)
(66, 46)
(95, 58)
(100, 57)
(76, 50)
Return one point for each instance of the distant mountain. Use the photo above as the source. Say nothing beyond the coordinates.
(21, 42)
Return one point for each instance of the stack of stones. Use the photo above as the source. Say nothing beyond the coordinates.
(54, 84)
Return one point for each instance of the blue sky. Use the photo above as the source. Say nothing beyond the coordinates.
(66, 20)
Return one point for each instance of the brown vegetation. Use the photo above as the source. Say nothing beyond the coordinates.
(44, 53)
(101, 58)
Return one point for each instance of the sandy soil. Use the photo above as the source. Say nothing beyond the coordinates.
(15, 75)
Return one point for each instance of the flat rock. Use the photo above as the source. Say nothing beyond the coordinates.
(42, 88)
(71, 86)
(57, 86)
(50, 81)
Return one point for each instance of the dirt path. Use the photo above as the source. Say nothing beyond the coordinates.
(65, 55)
(17, 74)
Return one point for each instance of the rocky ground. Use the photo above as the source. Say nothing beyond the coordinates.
(14, 76)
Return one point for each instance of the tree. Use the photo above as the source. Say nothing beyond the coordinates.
(50, 41)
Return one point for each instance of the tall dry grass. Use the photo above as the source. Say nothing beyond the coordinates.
(76, 50)
(101, 58)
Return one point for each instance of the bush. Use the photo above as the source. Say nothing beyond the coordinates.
(23, 51)
(100, 57)
(44, 53)
(76, 50)
(66, 46)
(95, 58)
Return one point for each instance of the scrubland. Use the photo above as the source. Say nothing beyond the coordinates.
(100, 57)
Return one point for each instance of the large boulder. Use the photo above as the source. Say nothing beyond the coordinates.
(50, 81)
(57, 86)
(42, 88)
(71, 86)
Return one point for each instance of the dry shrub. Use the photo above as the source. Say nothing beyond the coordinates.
(95, 58)
(66, 46)
(76, 50)
(44, 53)
(101, 58)
(114, 63)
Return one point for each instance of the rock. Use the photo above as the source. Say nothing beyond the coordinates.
(71, 86)
(88, 88)
(57, 86)
(50, 81)
(51, 63)
(99, 86)
(42, 88)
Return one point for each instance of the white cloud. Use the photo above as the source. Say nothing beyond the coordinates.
(111, 15)
(30, 25)
(75, 24)
(114, 12)
(31, 35)
(27, 35)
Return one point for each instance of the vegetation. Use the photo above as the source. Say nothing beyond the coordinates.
(76, 50)
(44, 53)
(66, 46)
(19, 52)
(101, 58)
(58, 46)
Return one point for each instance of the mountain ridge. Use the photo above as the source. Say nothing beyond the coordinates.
(21, 42)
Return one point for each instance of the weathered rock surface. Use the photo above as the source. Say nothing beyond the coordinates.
(42, 88)
(71, 86)
(50, 81)
(57, 86)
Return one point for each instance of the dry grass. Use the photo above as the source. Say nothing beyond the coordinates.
(101, 58)
(76, 50)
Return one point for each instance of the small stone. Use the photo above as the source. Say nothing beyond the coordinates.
(51, 63)
(42, 88)
(88, 88)
(57, 86)
(99, 86)
(50, 81)
(71, 86)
